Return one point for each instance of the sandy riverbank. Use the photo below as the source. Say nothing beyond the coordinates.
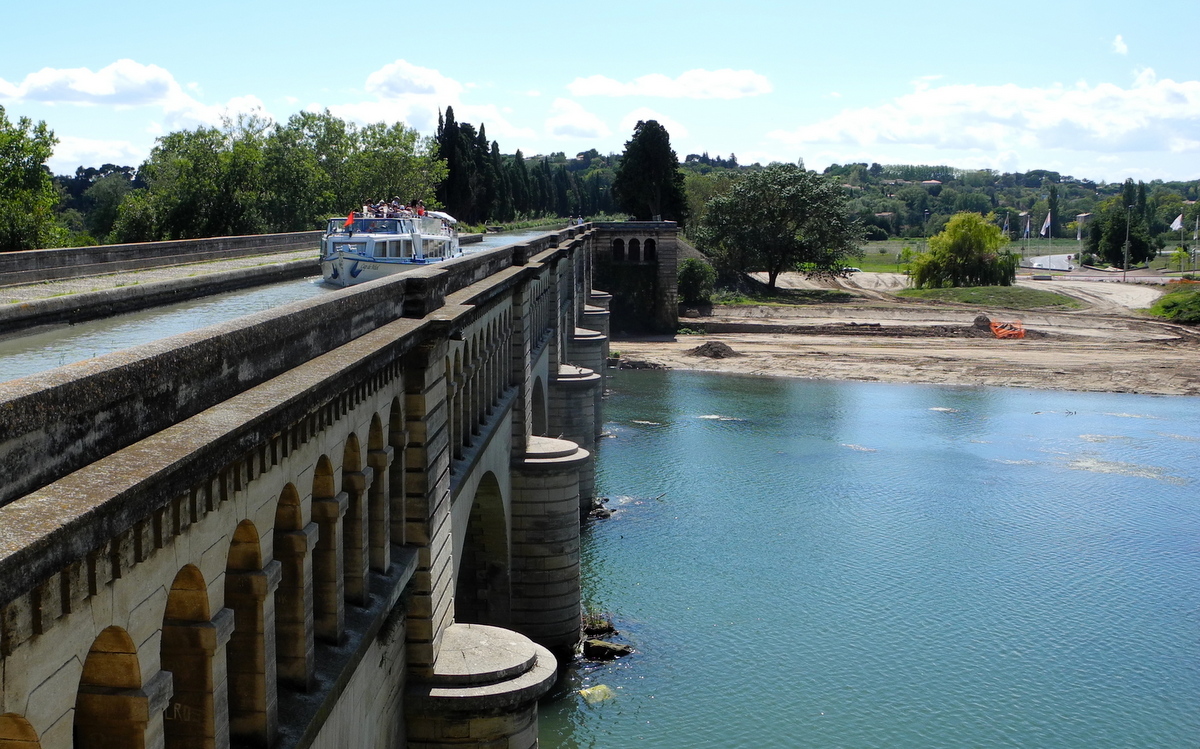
(1107, 347)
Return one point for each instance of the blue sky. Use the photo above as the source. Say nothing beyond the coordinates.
(1095, 89)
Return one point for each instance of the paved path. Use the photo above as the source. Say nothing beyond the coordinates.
(65, 286)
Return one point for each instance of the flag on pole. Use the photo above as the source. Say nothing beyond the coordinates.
(1027, 227)
(349, 220)
(1006, 223)
(1177, 224)
(1196, 233)
(1045, 226)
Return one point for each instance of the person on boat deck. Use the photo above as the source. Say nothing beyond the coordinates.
(420, 208)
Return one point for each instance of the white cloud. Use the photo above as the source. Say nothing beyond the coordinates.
(568, 119)
(401, 79)
(693, 84)
(72, 152)
(125, 84)
(645, 114)
(1151, 115)
(1119, 46)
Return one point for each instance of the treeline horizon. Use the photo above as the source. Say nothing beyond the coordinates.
(254, 175)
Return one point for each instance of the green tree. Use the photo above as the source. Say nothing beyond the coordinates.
(779, 219)
(27, 194)
(1115, 223)
(965, 253)
(696, 281)
(648, 181)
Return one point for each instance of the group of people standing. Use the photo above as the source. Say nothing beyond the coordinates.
(394, 209)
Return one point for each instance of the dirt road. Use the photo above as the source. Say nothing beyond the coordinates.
(1106, 347)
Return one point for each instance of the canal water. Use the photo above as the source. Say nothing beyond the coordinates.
(831, 564)
(38, 350)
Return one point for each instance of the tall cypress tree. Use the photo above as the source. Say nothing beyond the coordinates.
(648, 181)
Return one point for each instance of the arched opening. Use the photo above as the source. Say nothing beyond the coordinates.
(251, 659)
(354, 525)
(538, 408)
(294, 635)
(111, 708)
(650, 251)
(482, 588)
(635, 251)
(379, 458)
(17, 733)
(397, 440)
(329, 610)
(456, 413)
(193, 650)
(618, 250)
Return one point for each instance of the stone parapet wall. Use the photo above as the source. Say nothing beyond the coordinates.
(30, 266)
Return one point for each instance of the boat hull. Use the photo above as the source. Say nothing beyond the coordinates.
(347, 269)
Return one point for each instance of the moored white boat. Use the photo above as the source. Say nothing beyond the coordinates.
(365, 247)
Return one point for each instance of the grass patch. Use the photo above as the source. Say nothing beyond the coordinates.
(1181, 306)
(781, 297)
(1010, 297)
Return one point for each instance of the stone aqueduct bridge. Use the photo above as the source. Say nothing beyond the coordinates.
(349, 522)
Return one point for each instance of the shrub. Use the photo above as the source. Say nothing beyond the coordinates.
(696, 280)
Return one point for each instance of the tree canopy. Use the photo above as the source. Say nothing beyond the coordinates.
(1107, 237)
(27, 194)
(781, 218)
(648, 182)
(965, 253)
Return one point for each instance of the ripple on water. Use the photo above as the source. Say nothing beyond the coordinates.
(788, 585)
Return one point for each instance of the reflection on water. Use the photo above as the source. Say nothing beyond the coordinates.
(869, 565)
(55, 346)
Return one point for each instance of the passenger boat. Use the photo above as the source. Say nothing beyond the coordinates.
(364, 247)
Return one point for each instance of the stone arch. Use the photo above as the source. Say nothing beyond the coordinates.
(355, 483)
(292, 542)
(329, 609)
(618, 250)
(251, 661)
(17, 733)
(482, 589)
(634, 251)
(538, 408)
(379, 511)
(398, 441)
(650, 251)
(193, 651)
(111, 707)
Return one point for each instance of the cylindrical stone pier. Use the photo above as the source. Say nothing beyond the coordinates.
(596, 318)
(587, 350)
(573, 417)
(483, 692)
(545, 543)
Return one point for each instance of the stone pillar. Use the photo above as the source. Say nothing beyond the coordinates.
(545, 542)
(379, 510)
(601, 299)
(587, 350)
(329, 607)
(112, 718)
(596, 318)
(355, 546)
(482, 692)
(253, 698)
(573, 417)
(428, 528)
(294, 619)
(194, 652)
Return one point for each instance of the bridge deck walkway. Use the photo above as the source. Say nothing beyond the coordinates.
(67, 286)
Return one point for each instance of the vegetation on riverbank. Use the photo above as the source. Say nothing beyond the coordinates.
(1181, 305)
(1007, 297)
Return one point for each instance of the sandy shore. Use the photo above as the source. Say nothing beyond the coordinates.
(1107, 347)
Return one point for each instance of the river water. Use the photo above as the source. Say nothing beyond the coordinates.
(831, 564)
